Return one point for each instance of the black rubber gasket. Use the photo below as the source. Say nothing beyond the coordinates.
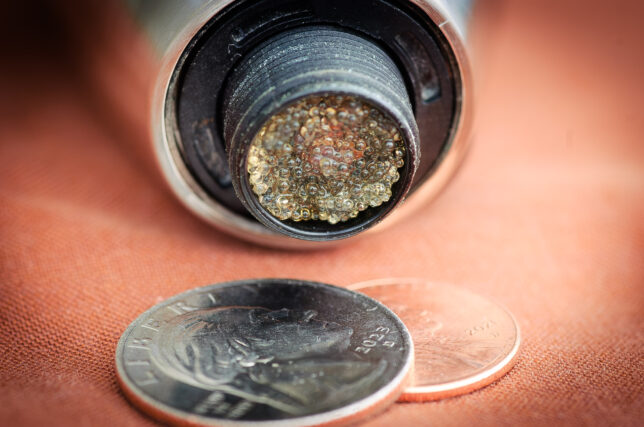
(401, 29)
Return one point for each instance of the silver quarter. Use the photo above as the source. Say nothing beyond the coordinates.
(267, 351)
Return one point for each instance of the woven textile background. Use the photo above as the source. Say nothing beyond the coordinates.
(546, 216)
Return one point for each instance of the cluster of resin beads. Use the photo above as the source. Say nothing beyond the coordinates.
(325, 158)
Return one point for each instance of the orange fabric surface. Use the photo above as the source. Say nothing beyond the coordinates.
(546, 216)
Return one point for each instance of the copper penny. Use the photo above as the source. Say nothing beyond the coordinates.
(462, 341)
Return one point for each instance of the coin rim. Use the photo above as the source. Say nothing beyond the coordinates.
(461, 386)
(361, 409)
